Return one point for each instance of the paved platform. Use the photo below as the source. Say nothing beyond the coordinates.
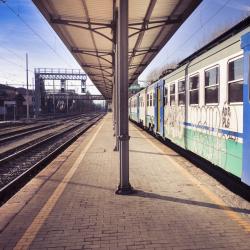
(72, 203)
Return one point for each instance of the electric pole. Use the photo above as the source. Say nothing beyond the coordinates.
(27, 90)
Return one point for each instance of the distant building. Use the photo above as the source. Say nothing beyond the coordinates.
(13, 102)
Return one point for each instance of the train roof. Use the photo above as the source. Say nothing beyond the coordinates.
(229, 33)
(224, 36)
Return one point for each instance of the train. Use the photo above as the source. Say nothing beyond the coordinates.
(203, 105)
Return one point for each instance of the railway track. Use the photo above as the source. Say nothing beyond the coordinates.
(51, 130)
(21, 165)
(6, 136)
(13, 135)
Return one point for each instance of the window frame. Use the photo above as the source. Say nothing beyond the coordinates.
(228, 82)
(191, 90)
(173, 83)
(182, 92)
(207, 69)
(151, 99)
(166, 96)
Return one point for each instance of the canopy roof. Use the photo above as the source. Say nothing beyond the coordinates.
(87, 27)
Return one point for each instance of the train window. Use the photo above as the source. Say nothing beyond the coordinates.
(166, 95)
(151, 97)
(147, 100)
(212, 85)
(235, 80)
(194, 89)
(181, 93)
(172, 94)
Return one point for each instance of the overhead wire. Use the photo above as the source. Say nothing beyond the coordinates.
(14, 63)
(12, 52)
(33, 31)
(199, 28)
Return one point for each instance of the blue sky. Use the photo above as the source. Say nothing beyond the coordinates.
(48, 51)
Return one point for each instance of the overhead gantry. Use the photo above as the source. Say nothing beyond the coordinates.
(113, 41)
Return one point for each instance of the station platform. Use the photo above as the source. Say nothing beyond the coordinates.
(72, 203)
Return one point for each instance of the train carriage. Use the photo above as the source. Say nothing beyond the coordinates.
(199, 106)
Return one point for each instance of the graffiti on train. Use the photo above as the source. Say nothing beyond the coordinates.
(174, 121)
(207, 133)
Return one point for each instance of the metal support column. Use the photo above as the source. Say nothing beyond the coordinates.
(124, 186)
(115, 114)
(116, 102)
(117, 99)
(113, 104)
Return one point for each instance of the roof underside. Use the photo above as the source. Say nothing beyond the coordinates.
(87, 27)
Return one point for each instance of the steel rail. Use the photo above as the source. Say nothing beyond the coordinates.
(16, 152)
(17, 134)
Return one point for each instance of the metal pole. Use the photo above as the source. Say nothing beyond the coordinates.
(117, 97)
(115, 114)
(124, 186)
(27, 90)
(67, 98)
(113, 107)
(54, 102)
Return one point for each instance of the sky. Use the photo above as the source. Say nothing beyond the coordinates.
(24, 30)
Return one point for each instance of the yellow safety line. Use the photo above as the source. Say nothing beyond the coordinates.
(230, 213)
(39, 220)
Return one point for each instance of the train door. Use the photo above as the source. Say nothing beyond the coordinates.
(155, 103)
(158, 109)
(245, 45)
(161, 107)
(138, 108)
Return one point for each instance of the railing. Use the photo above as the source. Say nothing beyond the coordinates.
(57, 71)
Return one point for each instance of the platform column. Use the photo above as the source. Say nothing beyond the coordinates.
(115, 116)
(124, 186)
(117, 130)
(113, 107)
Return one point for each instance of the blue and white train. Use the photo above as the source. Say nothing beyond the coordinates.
(204, 104)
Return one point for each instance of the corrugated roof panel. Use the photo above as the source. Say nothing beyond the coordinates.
(149, 37)
(80, 37)
(163, 8)
(87, 59)
(100, 10)
(67, 8)
(137, 59)
(137, 9)
(132, 41)
(102, 42)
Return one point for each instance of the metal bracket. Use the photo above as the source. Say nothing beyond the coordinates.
(124, 137)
